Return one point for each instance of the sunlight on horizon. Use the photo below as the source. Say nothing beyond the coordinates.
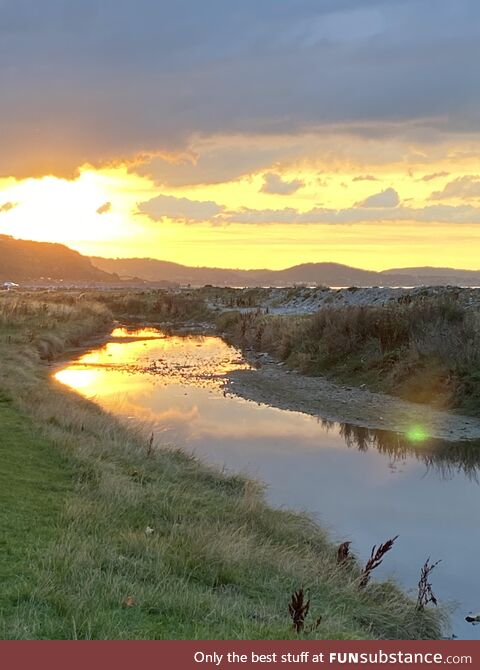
(97, 213)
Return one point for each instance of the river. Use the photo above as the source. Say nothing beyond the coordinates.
(361, 485)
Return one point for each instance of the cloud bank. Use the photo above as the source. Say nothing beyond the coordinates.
(180, 209)
(192, 211)
(100, 82)
(466, 188)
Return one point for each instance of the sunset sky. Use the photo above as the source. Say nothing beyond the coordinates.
(244, 134)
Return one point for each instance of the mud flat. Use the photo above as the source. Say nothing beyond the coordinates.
(274, 385)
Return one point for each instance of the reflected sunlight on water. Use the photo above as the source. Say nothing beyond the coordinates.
(191, 359)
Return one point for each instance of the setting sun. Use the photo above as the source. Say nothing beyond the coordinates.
(67, 211)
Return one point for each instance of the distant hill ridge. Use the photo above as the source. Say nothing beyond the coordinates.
(24, 260)
(330, 274)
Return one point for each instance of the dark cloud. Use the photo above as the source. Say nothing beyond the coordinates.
(387, 198)
(466, 187)
(215, 162)
(273, 183)
(103, 209)
(434, 175)
(182, 209)
(365, 177)
(91, 81)
(7, 206)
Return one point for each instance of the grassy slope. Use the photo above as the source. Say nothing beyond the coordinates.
(80, 495)
(34, 482)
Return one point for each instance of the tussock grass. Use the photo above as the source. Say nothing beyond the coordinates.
(117, 537)
(426, 351)
(157, 305)
(43, 326)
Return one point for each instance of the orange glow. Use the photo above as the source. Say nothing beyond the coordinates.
(115, 370)
(60, 210)
(78, 378)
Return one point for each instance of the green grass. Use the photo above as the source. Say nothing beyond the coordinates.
(34, 484)
(79, 491)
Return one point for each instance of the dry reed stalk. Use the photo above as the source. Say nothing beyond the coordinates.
(343, 552)
(425, 593)
(298, 609)
(150, 450)
(376, 558)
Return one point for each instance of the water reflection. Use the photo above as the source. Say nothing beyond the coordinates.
(447, 458)
(202, 362)
(190, 359)
(366, 485)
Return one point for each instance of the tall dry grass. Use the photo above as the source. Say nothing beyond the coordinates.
(427, 351)
(158, 305)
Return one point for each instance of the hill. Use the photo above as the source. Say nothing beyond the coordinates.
(331, 274)
(439, 276)
(24, 260)
(153, 270)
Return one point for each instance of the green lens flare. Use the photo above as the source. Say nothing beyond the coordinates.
(417, 434)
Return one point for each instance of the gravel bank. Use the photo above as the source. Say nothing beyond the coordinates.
(272, 384)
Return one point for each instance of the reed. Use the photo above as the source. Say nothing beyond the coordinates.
(298, 608)
(425, 592)
(376, 559)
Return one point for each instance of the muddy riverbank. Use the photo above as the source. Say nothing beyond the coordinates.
(271, 383)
